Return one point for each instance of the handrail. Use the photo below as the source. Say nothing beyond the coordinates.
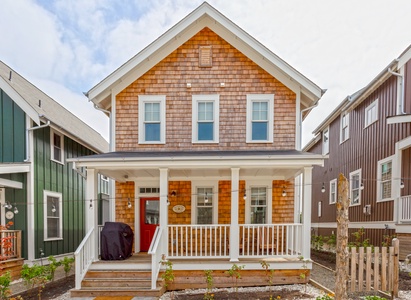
(156, 256)
(84, 256)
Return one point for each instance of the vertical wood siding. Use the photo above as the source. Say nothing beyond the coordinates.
(365, 147)
(12, 130)
(53, 176)
(241, 77)
(407, 89)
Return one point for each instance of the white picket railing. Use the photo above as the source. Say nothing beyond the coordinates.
(84, 256)
(260, 240)
(156, 251)
(405, 209)
(198, 241)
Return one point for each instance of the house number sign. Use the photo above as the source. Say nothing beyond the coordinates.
(179, 208)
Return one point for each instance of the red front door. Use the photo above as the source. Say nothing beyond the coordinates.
(149, 220)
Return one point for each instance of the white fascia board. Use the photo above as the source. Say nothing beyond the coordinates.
(10, 183)
(19, 100)
(399, 119)
(14, 168)
(404, 58)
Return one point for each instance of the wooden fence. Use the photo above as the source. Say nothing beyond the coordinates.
(374, 268)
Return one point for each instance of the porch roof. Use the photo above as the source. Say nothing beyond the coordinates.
(282, 164)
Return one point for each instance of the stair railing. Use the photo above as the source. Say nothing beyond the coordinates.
(84, 256)
(156, 252)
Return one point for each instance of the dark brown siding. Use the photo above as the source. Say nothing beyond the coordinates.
(365, 147)
(406, 172)
(407, 90)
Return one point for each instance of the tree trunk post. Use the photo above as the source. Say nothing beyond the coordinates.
(342, 239)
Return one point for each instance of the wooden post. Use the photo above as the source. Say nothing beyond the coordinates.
(396, 245)
(342, 239)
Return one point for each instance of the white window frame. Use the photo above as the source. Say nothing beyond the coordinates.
(373, 105)
(379, 178)
(320, 208)
(352, 174)
(196, 99)
(268, 185)
(204, 184)
(333, 199)
(269, 98)
(345, 128)
(142, 99)
(60, 211)
(52, 133)
(326, 141)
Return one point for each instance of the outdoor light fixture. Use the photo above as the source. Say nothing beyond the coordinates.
(53, 208)
(402, 184)
(16, 211)
(245, 196)
(7, 205)
(173, 193)
(168, 201)
(284, 192)
(206, 198)
(362, 186)
(323, 188)
(129, 203)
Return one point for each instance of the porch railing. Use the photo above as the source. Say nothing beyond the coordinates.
(156, 251)
(405, 209)
(270, 240)
(198, 241)
(10, 244)
(84, 256)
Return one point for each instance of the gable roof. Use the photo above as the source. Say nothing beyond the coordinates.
(204, 16)
(40, 107)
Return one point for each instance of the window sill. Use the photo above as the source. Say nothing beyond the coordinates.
(59, 162)
(356, 204)
(342, 142)
(385, 200)
(259, 142)
(205, 142)
(368, 125)
(53, 239)
(151, 143)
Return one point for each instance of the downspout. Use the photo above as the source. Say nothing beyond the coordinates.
(110, 127)
(402, 89)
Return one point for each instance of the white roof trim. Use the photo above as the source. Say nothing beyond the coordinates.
(19, 100)
(204, 16)
(14, 168)
(10, 183)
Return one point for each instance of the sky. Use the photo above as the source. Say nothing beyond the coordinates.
(65, 47)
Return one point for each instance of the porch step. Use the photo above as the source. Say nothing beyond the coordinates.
(111, 283)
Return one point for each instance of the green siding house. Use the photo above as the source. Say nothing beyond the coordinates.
(40, 192)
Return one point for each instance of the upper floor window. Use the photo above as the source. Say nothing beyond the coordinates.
(260, 118)
(384, 180)
(57, 146)
(152, 119)
(53, 216)
(333, 191)
(355, 187)
(205, 118)
(345, 126)
(326, 141)
(371, 113)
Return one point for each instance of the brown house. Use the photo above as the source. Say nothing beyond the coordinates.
(368, 139)
(205, 152)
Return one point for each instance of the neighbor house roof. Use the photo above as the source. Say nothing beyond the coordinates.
(40, 107)
(204, 16)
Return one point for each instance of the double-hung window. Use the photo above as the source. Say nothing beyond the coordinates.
(258, 205)
(345, 127)
(326, 141)
(53, 216)
(205, 118)
(355, 187)
(57, 146)
(204, 205)
(333, 191)
(384, 180)
(152, 123)
(371, 113)
(260, 118)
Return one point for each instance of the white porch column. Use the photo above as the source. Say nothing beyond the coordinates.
(306, 212)
(91, 213)
(164, 206)
(234, 228)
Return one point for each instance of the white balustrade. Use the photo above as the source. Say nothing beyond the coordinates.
(84, 256)
(405, 209)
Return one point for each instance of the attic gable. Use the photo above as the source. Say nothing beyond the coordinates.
(204, 16)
